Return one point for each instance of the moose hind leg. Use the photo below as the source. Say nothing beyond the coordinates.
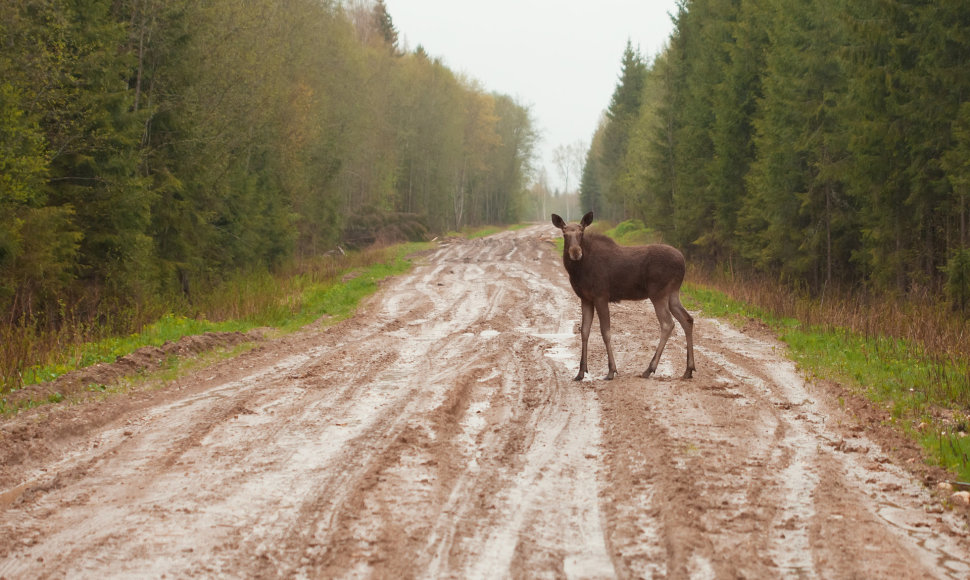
(603, 310)
(584, 333)
(687, 323)
(666, 327)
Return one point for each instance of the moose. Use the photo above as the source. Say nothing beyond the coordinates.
(601, 271)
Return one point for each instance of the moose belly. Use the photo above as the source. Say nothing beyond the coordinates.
(613, 292)
(627, 289)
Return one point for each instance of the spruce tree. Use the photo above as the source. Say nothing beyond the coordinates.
(386, 25)
(795, 215)
(622, 114)
(590, 192)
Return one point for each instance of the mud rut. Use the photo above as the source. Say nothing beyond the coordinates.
(438, 434)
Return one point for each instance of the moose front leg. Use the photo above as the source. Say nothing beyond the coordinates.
(603, 310)
(584, 333)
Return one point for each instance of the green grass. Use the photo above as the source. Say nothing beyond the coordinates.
(632, 233)
(719, 305)
(340, 300)
(168, 328)
(259, 300)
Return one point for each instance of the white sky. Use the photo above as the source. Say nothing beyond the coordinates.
(560, 58)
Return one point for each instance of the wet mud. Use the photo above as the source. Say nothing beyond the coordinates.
(439, 434)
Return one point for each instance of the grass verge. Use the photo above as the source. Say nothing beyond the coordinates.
(327, 288)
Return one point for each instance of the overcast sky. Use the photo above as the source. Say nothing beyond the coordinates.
(560, 58)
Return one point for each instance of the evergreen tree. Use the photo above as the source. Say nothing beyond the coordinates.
(658, 144)
(939, 83)
(590, 192)
(94, 136)
(704, 37)
(796, 213)
(897, 127)
(735, 103)
(386, 25)
(622, 114)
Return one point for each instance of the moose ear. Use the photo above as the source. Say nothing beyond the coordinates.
(557, 221)
(587, 219)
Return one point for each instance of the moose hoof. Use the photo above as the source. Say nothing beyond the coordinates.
(688, 374)
(610, 376)
(646, 374)
(580, 376)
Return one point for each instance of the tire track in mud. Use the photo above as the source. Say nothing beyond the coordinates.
(482, 449)
(438, 434)
(747, 473)
(352, 457)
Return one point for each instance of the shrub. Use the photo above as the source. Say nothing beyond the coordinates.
(958, 280)
(370, 225)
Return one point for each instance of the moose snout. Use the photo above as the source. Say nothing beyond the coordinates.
(575, 253)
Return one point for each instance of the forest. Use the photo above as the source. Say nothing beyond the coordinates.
(150, 149)
(825, 144)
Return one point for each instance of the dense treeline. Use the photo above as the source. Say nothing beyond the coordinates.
(827, 142)
(151, 148)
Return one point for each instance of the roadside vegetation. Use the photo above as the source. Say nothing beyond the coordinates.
(327, 288)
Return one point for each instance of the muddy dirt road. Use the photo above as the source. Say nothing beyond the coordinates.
(438, 434)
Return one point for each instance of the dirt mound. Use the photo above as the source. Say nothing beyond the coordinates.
(143, 360)
(370, 225)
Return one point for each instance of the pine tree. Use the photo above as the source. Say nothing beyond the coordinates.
(704, 35)
(590, 192)
(795, 215)
(891, 126)
(95, 136)
(735, 103)
(386, 25)
(659, 143)
(940, 111)
(622, 114)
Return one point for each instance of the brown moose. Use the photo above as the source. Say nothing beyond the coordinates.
(601, 271)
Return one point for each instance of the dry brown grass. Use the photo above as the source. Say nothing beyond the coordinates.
(934, 337)
(920, 318)
(254, 299)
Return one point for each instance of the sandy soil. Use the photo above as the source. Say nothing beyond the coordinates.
(438, 434)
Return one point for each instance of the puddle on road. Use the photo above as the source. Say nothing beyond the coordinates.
(646, 553)
(700, 568)
(472, 424)
(562, 350)
(912, 525)
(7, 498)
(799, 480)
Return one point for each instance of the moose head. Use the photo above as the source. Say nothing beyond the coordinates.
(572, 235)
